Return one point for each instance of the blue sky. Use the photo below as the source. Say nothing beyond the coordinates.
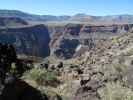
(70, 7)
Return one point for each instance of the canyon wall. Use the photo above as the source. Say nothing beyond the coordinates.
(63, 41)
(30, 40)
(69, 39)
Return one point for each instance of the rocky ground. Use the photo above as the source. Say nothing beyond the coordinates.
(103, 73)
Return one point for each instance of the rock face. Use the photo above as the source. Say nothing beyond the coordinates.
(30, 40)
(63, 38)
(113, 28)
(64, 41)
(115, 54)
(67, 48)
(73, 29)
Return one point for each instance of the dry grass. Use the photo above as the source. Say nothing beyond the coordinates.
(115, 91)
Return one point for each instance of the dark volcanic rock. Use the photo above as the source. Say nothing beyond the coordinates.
(73, 29)
(21, 91)
(33, 40)
(67, 48)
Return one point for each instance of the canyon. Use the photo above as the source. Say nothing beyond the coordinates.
(64, 37)
(62, 41)
(82, 57)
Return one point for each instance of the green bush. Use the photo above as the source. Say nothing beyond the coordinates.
(42, 77)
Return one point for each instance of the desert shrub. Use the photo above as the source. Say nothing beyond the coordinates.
(42, 77)
(115, 91)
(120, 68)
(129, 52)
(113, 71)
(115, 39)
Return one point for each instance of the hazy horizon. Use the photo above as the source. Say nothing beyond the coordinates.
(69, 7)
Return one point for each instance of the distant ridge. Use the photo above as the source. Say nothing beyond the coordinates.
(12, 21)
(114, 19)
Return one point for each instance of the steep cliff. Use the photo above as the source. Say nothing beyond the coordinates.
(30, 40)
(63, 41)
(85, 35)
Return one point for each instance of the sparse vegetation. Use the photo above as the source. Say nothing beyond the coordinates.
(130, 52)
(115, 91)
(80, 60)
(42, 77)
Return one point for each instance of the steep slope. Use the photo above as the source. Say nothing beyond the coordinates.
(107, 70)
(30, 40)
(102, 73)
